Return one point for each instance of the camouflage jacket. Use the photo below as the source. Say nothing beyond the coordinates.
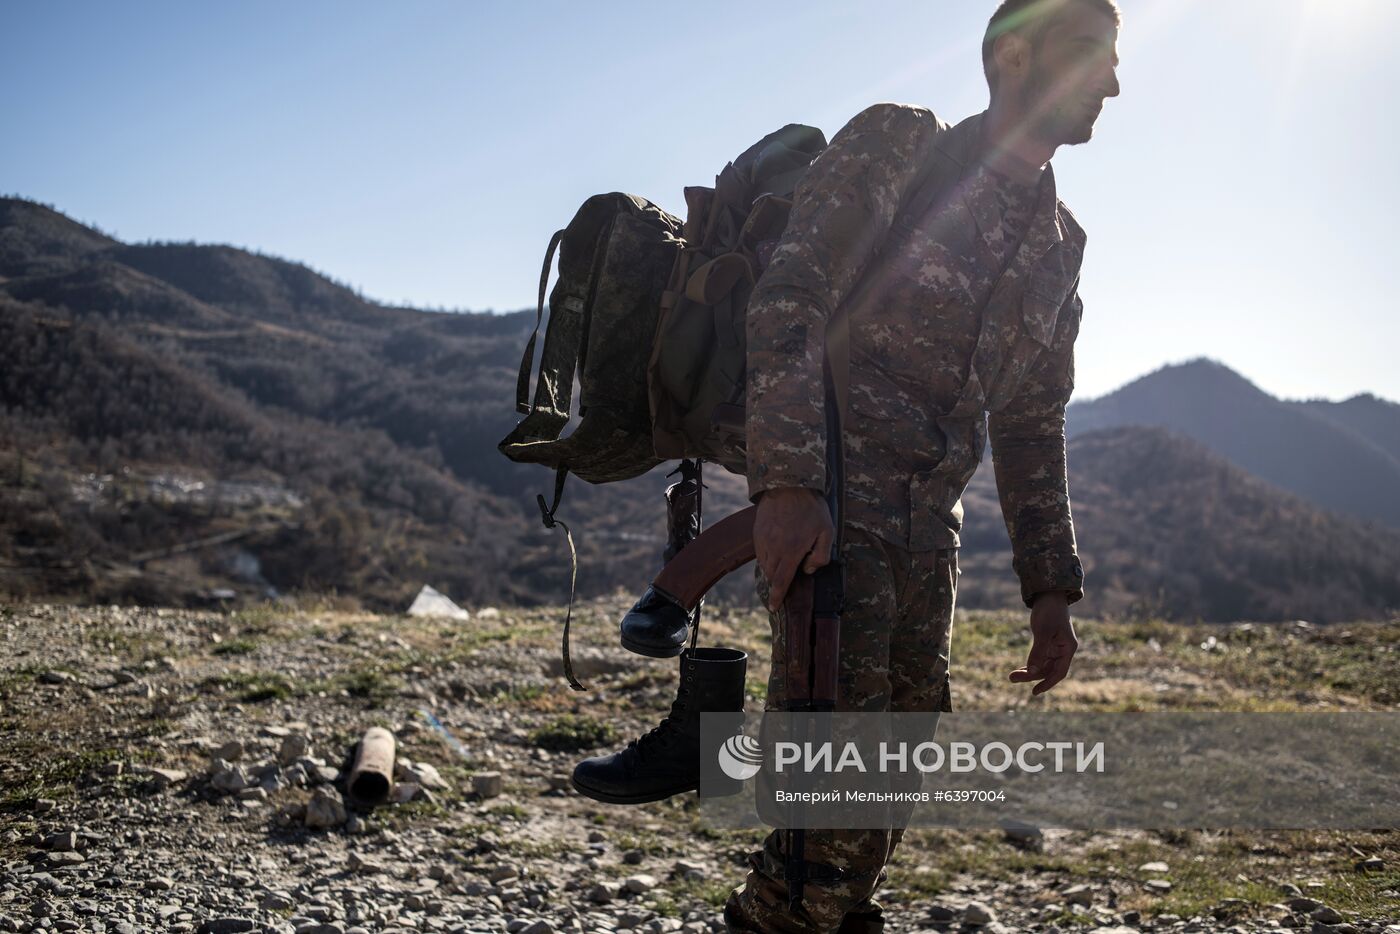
(933, 369)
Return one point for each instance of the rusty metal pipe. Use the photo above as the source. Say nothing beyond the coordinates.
(372, 772)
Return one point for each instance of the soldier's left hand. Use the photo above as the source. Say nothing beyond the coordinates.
(1053, 643)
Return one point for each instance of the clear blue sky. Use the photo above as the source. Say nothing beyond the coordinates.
(1240, 196)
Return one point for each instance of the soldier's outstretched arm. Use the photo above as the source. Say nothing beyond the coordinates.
(1028, 453)
(842, 209)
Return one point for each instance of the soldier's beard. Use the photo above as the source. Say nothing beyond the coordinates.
(1052, 118)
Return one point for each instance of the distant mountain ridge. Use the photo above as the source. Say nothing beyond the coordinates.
(1163, 523)
(135, 370)
(1374, 419)
(32, 235)
(1340, 455)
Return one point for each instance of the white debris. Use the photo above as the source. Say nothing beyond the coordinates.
(426, 775)
(430, 602)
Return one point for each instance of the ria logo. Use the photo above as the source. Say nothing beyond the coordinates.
(740, 757)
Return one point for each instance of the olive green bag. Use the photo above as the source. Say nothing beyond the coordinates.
(696, 369)
(624, 263)
(614, 261)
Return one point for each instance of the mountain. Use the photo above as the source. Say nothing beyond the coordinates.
(34, 237)
(1167, 527)
(1373, 419)
(1341, 456)
(132, 368)
(178, 420)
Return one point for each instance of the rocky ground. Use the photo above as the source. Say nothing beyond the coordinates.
(180, 770)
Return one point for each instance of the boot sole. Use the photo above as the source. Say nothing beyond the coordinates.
(650, 651)
(608, 798)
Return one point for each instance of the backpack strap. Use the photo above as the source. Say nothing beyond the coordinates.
(936, 175)
(547, 513)
(546, 417)
(527, 362)
(929, 184)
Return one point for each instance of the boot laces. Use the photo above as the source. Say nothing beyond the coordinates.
(664, 733)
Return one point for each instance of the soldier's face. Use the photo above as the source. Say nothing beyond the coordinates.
(1073, 69)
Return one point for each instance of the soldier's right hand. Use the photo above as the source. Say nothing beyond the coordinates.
(791, 529)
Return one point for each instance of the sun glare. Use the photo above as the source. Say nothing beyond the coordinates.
(1344, 19)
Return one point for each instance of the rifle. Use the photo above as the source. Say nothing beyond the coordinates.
(812, 605)
(812, 626)
(812, 611)
(723, 547)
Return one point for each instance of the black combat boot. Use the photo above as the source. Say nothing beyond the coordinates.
(666, 760)
(656, 626)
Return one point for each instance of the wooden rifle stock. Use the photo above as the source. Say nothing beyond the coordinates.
(812, 611)
(723, 547)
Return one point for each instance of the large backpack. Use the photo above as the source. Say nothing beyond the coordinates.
(695, 373)
(647, 393)
(614, 260)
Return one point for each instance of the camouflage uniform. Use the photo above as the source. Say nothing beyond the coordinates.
(970, 308)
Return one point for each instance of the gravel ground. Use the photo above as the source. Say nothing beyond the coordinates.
(175, 770)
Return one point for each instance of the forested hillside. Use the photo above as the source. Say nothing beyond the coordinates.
(183, 423)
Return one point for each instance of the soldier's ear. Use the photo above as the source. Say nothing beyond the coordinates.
(1012, 54)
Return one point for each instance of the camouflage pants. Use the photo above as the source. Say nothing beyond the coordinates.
(895, 636)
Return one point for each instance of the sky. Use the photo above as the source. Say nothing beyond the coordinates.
(1239, 196)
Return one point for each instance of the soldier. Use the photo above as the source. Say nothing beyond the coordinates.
(972, 334)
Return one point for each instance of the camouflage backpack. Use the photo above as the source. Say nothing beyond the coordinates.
(647, 393)
(614, 258)
(624, 263)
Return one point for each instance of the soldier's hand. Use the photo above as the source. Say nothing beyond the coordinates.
(792, 529)
(1052, 643)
